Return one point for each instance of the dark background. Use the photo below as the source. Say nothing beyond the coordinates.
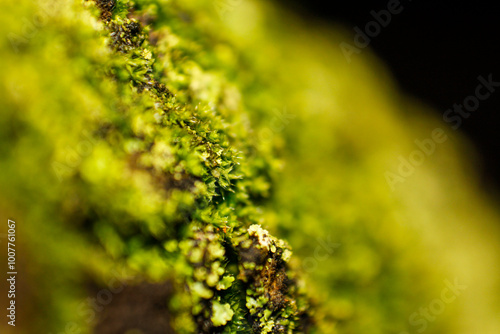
(435, 50)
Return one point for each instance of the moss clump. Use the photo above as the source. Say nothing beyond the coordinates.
(155, 173)
(271, 296)
(152, 146)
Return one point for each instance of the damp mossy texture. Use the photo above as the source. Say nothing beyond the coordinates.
(222, 149)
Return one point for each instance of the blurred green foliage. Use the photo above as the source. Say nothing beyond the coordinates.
(155, 140)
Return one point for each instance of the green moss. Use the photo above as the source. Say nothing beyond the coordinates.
(149, 140)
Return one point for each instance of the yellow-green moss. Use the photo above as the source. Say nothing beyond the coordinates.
(159, 141)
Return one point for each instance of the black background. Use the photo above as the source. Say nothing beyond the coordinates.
(435, 50)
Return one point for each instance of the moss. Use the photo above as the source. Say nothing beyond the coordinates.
(106, 7)
(147, 142)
